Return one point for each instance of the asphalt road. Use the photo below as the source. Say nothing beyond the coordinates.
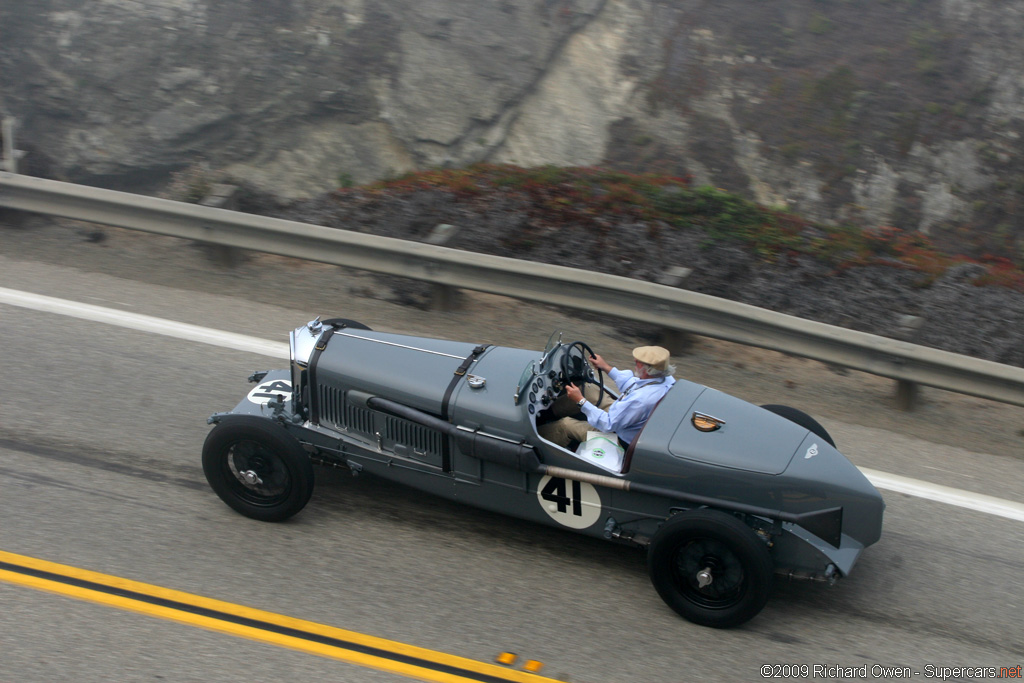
(101, 430)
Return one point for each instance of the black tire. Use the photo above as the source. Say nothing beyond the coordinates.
(257, 468)
(738, 561)
(801, 418)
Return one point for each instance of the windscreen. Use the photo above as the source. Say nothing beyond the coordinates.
(524, 380)
(554, 340)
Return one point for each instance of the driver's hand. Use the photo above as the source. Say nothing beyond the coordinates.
(600, 363)
(574, 393)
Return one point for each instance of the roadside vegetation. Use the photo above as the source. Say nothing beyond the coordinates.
(602, 198)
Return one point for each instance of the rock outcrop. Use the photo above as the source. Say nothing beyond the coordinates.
(904, 112)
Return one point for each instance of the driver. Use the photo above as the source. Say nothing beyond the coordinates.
(641, 390)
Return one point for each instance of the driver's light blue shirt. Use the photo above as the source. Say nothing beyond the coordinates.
(628, 415)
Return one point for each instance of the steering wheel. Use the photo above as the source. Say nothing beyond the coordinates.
(575, 367)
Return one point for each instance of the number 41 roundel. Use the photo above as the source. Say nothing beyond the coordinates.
(571, 503)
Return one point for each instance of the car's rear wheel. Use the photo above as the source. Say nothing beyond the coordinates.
(710, 567)
(257, 468)
(801, 418)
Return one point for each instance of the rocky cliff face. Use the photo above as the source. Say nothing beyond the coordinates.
(906, 112)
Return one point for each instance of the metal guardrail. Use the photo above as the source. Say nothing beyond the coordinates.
(611, 295)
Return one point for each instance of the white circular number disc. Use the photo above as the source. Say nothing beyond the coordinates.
(270, 390)
(575, 504)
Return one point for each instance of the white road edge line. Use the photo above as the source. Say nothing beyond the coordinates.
(145, 323)
(945, 494)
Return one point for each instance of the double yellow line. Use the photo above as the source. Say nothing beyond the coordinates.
(237, 620)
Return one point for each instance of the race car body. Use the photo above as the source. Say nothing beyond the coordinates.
(723, 494)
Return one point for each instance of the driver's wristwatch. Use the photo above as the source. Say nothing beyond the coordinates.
(582, 401)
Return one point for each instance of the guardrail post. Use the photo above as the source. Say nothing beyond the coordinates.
(222, 197)
(443, 297)
(9, 156)
(908, 393)
(676, 341)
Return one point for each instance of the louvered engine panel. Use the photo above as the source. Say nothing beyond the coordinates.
(394, 434)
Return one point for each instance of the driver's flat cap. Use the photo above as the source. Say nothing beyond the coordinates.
(655, 356)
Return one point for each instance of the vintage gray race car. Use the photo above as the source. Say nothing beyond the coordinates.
(723, 494)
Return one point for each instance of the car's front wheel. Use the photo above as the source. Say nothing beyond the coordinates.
(257, 468)
(710, 567)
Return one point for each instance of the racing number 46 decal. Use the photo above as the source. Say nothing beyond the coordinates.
(571, 503)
